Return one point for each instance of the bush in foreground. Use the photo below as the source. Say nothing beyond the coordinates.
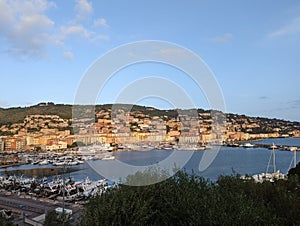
(186, 199)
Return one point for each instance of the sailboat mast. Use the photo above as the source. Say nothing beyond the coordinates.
(295, 158)
(274, 160)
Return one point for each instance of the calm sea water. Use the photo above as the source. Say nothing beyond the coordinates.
(229, 160)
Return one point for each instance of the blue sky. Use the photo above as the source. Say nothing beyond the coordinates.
(253, 48)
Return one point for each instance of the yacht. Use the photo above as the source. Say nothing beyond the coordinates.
(248, 145)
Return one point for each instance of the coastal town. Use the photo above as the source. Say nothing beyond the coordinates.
(119, 127)
(50, 135)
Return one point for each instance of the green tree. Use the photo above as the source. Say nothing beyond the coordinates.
(6, 222)
(52, 218)
(187, 199)
(294, 171)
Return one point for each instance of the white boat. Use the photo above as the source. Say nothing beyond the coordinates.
(87, 187)
(108, 157)
(276, 175)
(44, 162)
(109, 149)
(79, 161)
(273, 146)
(268, 176)
(60, 210)
(294, 159)
(72, 163)
(248, 145)
(59, 163)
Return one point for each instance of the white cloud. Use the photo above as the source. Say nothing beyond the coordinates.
(101, 22)
(292, 28)
(25, 27)
(83, 9)
(75, 30)
(28, 31)
(68, 55)
(78, 30)
(223, 38)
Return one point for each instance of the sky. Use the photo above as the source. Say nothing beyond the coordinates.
(252, 48)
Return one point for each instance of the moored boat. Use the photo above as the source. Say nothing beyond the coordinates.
(44, 162)
(276, 175)
(248, 145)
(108, 157)
(273, 146)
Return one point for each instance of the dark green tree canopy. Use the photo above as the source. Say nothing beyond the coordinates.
(187, 199)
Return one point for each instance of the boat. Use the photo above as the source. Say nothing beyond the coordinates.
(232, 145)
(79, 161)
(57, 189)
(294, 159)
(108, 157)
(273, 146)
(72, 163)
(276, 175)
(199, 148)
(59, 163)
(248, 145)
(44, 162)
(108, 148)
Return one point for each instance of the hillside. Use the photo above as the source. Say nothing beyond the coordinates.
(242, 123)
(18, 114)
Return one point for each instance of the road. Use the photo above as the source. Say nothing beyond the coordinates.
(32, 207)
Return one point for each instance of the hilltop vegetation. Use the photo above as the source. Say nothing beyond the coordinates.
(17, 115)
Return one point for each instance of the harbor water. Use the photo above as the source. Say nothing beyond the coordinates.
(229, 160)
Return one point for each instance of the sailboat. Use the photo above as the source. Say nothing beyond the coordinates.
(293, 149)
(276, 175)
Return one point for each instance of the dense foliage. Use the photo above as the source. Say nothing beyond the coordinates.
(191, 200)
(294, 171)
(54, 219)
(5, 222)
